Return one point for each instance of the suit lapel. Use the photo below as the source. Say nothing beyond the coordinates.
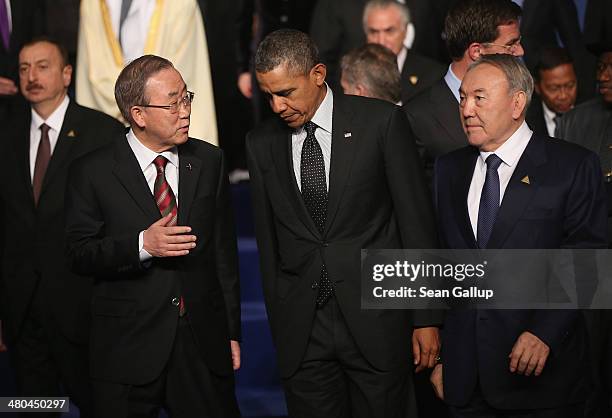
(461, 188)
(65, 142)
(189, 173)
(342, 154)
(519, 192)
(447, 112)
(283, 160)
(127, 170)
(23, 155)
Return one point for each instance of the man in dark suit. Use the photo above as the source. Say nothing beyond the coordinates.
(590, 125)
(331, 175)
(386, 22)
(46, 307)
(166, 305)
(513, 189)
(433, 114)
(556, 88)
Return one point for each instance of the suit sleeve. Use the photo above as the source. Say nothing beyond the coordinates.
(267, 244)
(89, 251)
(585, 227)
(410, 196)
(226, 257)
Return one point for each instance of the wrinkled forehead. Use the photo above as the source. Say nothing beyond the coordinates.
(165, 83)
(484, 77)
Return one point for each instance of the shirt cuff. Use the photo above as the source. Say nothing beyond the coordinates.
(143, 254)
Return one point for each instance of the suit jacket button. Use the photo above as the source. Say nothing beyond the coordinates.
(314, 285)
(326, 244)
(175, 301)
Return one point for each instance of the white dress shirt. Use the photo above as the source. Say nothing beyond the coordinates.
(323, 119)
(453, 82)
(54, 121)
(549, 118)
(510, 152)
(145, 158)
(135, 27)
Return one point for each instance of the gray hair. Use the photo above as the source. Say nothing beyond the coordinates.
(289, 47)
(383, 4)
(375, 67)
(517, 74)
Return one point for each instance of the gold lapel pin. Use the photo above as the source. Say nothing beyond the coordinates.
(347, 134)
(414, 79)
(525, 180)
(71, 133)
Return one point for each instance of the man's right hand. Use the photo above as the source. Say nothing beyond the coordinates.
(7, 87)
(437, 381)
(160, 240)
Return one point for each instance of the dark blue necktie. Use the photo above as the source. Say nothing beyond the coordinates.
(489, 201)
(314, 193)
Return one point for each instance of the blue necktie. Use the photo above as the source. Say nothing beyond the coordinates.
(489, 201)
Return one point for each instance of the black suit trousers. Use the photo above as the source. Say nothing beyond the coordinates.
(47, 364)
(334, 380)
(186, 388)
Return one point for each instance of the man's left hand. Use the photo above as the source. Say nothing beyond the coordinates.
(528, 355)
(235, 347)
(425, 347)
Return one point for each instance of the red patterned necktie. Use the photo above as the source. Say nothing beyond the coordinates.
(164, 197)
(166, 202)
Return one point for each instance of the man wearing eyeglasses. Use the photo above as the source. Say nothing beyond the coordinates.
(433, 115)
(150, 218)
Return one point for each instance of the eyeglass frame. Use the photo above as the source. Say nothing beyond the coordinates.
(508, 48)
(190, 96)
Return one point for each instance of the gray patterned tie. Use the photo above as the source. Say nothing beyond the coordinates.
(314, 193)
(489, 201)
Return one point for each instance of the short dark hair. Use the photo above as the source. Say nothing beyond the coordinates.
(288, 47)
(50, 40)
(131, 83)
(550, 58)
(375, 67)
(470, 21)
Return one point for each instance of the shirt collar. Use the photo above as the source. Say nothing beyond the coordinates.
(401, 58)
(145, 156)
(453, 82)
(511, 150)
(548, 114)
(323, 116)
(55, 119)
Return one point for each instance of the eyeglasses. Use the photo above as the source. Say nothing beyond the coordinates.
(602, 66)
(512, 48)
(174, 107)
